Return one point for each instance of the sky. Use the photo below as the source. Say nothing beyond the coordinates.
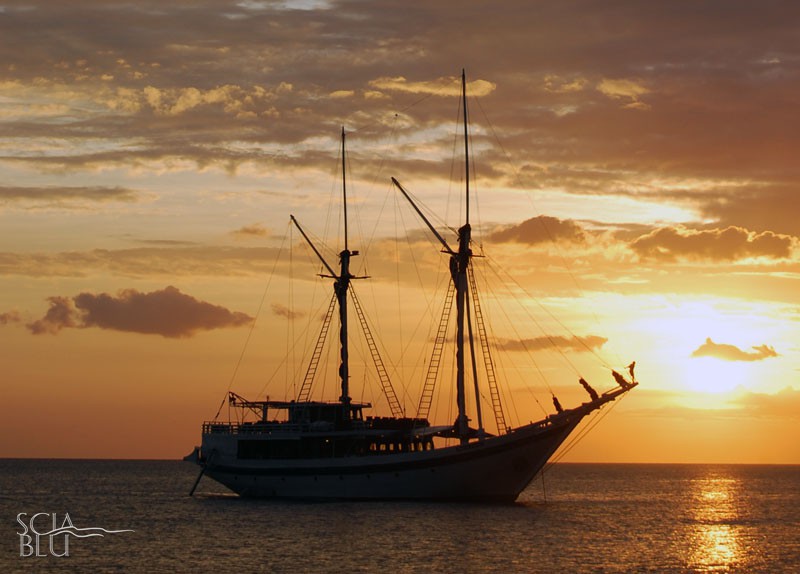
(636, 198)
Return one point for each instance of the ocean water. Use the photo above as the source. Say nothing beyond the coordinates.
(579, 518)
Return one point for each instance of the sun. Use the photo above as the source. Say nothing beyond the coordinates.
(713, 375)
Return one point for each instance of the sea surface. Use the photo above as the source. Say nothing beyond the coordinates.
(578, 518)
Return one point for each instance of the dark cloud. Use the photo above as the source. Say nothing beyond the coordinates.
(254, 230)
(759, 208)
(60, 315)
(10, 317)
(167, 312)
(732, 352)
(729, 244)
(284, 311)
(539, 230)
(65, 195)
(574, 343)
(619, 92)
(165, 242)
(667, 103)
(168, 261)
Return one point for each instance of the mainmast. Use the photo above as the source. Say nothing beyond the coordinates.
(459, 263)
(459, 266)
(466, 138)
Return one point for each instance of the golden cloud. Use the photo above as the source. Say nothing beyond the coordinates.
(559, 85)
(729, 244)
(623, 89)
(446, 86)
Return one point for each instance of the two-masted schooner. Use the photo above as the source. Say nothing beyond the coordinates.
(310, 449)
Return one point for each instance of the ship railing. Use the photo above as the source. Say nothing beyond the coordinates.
(216, 427)
(251, 428)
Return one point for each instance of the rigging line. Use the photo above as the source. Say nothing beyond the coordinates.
(536, 366)
(383, 376)
(530, 316)
(389, 190)
(368, 240)
(497, 356)
(603, 413)
(474, 184)
(303, 334)
(473, 360)
(429, 301)
(517, 333)
(359, 357)
(396, 114)
(366, 253)
(312, 261)
(399, 298)
(253, 324)
(334, 198)
(451, 411)
(560, 252)
(453, 154)
(357, 205)
(308, 380)
(431, 214)
(507, 390)
(367, 249)
(366, 328)
(554, 318)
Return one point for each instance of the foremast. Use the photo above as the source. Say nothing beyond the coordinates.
(341, 286)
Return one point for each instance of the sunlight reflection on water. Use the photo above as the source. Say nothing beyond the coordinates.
(715, 543)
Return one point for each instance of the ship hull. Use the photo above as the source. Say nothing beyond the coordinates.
(495, 469)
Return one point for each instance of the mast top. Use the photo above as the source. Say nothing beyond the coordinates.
(344, 190)
(466, 137)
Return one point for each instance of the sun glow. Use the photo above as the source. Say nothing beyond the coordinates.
(713, 375)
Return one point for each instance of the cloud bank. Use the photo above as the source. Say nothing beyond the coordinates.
(167, 312)
(729, 244)
(574, 343)
(784, 403)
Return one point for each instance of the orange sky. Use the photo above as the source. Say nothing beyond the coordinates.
(636, 177)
